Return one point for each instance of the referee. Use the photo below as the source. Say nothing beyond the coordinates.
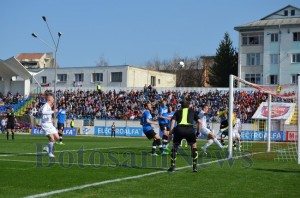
(11, 121)
(184, 130)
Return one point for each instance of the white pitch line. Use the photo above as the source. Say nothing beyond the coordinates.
(122, 179)
(16, 154)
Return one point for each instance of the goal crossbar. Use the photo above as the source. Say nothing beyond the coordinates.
(292, 95)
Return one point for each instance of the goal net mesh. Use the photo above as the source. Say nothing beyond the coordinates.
(251, 102)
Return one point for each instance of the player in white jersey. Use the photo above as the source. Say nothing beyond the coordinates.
(236, 133)
(47, 124)
(207, 132)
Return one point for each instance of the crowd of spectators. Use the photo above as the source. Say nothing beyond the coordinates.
(129, 105)
(10, 100)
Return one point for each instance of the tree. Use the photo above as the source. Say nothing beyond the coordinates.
(225, 63)
(189, 76)
(102, 62)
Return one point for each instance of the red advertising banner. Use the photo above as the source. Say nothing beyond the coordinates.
(291, 136)
(279, 111)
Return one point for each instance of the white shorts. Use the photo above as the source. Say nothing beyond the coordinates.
(48, 128)
(235, 134)
(205, 131)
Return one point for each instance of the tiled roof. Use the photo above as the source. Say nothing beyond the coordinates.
(30, 56)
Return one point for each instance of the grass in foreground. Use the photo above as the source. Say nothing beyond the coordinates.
(87, 160)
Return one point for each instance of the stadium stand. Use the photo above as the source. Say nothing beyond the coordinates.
(129, 105)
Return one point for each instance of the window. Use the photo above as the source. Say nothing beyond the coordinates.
(273, 80)
(252, 39)
(253, 59)
(253, 78)
(61, 77)
(286, 12)
(296, 58)
(292, 12)
(294, 79)
(44, 79)
(274, 37)
(116, 76)
(274, 58)
(245, 40)
(97, 77)
(79, 77)
(153, 80)
(296, 36)
(158, 81)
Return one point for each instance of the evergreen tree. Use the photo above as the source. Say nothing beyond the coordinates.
(225, 63)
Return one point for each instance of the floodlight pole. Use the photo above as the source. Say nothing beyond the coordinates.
(55, 48)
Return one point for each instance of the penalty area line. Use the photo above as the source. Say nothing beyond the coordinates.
(126, 178)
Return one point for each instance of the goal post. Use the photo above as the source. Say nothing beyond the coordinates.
(230, 117)
(281, 101)
(298, 127)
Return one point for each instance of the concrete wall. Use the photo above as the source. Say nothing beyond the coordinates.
(138, 77)
(286, 47)
(131, 77)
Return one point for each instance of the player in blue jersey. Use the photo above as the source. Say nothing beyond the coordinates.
(169, 116)
(147, 122)
(163, 122)
(61, 118)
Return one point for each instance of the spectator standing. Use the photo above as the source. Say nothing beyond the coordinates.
(113, 130)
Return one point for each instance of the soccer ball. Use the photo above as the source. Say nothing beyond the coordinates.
(181, 64)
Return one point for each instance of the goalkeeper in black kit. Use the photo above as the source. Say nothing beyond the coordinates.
(184, 130)
(224, 124)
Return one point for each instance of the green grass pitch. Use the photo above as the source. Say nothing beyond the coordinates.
(123, 167)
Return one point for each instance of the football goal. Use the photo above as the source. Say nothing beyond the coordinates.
(274, 125)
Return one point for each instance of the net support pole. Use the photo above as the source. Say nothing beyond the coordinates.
(230, 116)
(269, 123)
(298, 125)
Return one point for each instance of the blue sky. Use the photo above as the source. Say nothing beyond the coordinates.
(126, 31)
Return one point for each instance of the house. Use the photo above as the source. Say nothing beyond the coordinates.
(269, 48)
(36, 60)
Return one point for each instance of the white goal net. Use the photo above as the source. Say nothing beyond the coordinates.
(273, 126)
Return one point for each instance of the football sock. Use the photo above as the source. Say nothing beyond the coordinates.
(153, 146)
(173, 155)
(194, 156)
(208, 143)
(222, 142)
(60, 137)
(218, 143)
(158, 143)
(50, 147)
(165, 141)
